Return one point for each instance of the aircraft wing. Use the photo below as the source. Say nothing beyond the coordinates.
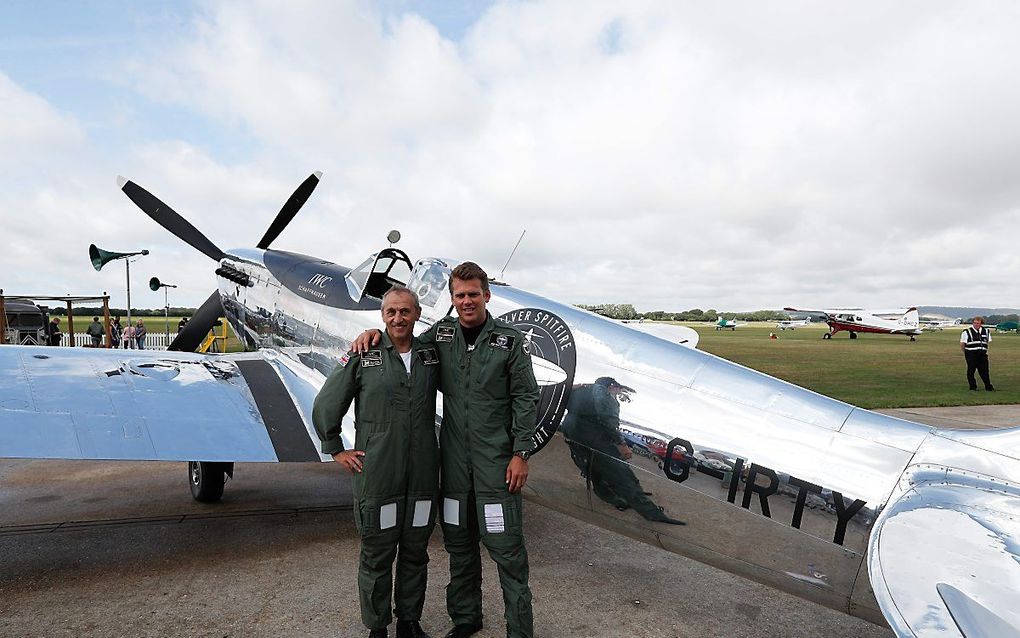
(85, 403)
(944, 559)
(809, 311)
(670, 332)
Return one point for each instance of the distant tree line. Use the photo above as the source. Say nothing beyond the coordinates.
(627, 312)
(991, 320)
(97, 311)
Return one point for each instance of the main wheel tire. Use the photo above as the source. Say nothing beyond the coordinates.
(913, 339)
(853, 335)
(827, 335)
(207, 480)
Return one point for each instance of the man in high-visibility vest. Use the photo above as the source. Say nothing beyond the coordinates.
(974, 344)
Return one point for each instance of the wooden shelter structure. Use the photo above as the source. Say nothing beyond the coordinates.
(69, 300)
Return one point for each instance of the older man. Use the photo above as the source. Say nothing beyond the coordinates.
(395, 461)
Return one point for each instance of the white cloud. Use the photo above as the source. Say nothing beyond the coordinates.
(666, 154)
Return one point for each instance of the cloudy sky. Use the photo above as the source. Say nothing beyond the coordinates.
(735, 155)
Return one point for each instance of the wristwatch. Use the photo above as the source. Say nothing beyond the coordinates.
(523, 454)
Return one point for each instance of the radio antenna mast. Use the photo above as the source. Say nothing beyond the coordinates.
(512, 254)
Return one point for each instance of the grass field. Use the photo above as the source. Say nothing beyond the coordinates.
(872, 371)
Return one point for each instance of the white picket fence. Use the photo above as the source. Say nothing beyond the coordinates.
(153, 340)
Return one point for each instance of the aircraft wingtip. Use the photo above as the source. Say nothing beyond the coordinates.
(318, 174)
(121, 180)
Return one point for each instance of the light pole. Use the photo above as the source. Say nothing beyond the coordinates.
(155, 284)
(102, 257)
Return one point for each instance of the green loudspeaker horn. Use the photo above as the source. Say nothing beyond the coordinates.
(102, 257)
(154, 283)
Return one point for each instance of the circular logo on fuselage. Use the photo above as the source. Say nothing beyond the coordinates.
(549, 341)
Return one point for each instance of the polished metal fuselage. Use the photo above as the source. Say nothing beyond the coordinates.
(776, 483)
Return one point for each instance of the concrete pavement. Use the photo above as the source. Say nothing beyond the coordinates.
(92, 549)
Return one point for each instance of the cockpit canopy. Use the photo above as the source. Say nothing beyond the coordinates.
(377, 274)
(430, 281)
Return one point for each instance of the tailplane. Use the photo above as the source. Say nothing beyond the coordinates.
(911, 319)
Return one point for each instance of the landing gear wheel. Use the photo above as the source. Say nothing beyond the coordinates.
(827, 335)
(853, 335)
(207, 480)
(913, 339)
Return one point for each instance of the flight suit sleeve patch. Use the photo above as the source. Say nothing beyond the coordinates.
(371, 359)
(344, 359)
(503, 342)
(428, 356)
(445, 333)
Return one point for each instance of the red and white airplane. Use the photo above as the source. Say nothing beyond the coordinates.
(856, 320)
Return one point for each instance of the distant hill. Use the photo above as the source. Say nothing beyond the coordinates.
(964, 312)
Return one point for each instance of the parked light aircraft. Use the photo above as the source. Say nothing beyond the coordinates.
(724, 324)
(1007, 326)
(938, 324)
(857, 321)
(792, 324)
(859, 511)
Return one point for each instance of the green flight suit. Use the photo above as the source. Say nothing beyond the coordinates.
(395, 496)
(592, 430)
(490, 402)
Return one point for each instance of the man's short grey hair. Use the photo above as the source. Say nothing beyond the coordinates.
(401, 290)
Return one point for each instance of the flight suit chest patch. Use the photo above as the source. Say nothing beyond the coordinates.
(428, 356)
(371, 359)
(445, 333)
(503, 342)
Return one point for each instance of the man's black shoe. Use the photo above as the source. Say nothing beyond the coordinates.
(669, 520)
(377, 633)
(463, 631)
(973, 389)
(990, 389)
(410, 629)
(660, 516)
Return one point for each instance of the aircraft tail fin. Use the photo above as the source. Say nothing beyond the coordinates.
(911, 318)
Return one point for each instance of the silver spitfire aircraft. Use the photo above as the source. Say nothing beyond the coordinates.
(861, 512)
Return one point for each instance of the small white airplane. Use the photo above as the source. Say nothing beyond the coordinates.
(730, 324)
(939, 324)
(792, 324)
(856, 321)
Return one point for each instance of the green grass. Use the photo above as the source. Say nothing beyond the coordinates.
(872, 371)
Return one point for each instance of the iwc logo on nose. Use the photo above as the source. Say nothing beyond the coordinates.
(549, 341)
(320, 280)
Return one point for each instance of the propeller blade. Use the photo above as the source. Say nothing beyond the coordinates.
(168, 218)
(199, 325)
(290, 208)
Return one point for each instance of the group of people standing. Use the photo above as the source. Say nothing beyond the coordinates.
(403, 480)
(129, 337)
